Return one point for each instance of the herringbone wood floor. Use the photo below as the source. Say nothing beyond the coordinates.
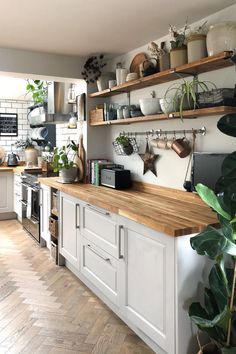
(46, 309)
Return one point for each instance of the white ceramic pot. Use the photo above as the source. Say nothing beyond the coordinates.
(196, 47)
(31, 156)
(167, 105)
(150, 106)
(121, 75)
(69, 174)
(103, 80)
(221, 37)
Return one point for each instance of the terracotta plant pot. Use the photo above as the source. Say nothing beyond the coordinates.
(196, 47)
(178, 56)
(210, 349)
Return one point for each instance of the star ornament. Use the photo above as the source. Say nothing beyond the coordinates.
(149, 161)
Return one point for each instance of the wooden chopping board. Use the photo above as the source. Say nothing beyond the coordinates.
(137, 60)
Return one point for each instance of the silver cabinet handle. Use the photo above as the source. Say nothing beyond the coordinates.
(120, 256)
(97, 253)
(23, 202)
(24, 185)
(76, 216)
(98, 210)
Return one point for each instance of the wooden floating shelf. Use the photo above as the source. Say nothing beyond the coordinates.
(212, 111)
(215, 62)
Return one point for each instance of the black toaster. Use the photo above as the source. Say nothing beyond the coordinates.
(116, 178)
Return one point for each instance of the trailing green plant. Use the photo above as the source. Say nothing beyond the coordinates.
(64, 157)
(24, 144)
(218, 315)
(186, 93)
(93, 68)
(123, 140)
(178, 37)
(38, 90)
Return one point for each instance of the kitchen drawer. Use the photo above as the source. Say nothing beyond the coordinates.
(101, 269)
(100, 227)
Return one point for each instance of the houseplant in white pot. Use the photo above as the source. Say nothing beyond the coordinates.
(178, 52)
(63, 162)
(31, 154)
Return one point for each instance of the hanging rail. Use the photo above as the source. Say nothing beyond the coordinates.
(161, 132)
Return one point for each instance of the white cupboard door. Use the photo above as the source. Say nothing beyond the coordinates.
(69, 228)
(45, 212)
(101, 269)
(100, 227)
(148, 283)
(6, 192)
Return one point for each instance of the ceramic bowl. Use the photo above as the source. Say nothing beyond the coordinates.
(167, 105)
(150, 106)
(131, 76)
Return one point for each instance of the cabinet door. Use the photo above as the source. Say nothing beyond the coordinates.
(17, 196)
(69, 228)
(148, 283)
(6, 192)
(45, 213)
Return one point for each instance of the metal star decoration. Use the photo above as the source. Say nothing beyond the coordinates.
(149, 161)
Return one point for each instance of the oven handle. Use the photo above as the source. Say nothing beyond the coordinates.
(34, 221)
(24, 184)
(34, 189)
(24, 203)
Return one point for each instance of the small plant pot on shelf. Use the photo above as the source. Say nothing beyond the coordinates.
(196, 47)
(178, 56)
(125, 146)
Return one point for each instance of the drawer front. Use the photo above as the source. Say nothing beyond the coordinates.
(100, 227)
(100, 269)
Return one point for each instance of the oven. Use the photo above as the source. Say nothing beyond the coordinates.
(31, 205)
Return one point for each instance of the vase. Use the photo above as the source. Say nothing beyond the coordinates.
(103, 80)
(178, 56)
(121, 75)
(196, 47)
(164, 61)
(31, 156)
(221, 37)
(69, 175)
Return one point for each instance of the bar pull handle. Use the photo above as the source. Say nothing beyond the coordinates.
(97, 253)
(98, 210)
(23, 202)
(77, 226)
(120, 255)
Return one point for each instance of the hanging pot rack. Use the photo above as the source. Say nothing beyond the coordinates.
(160, 132)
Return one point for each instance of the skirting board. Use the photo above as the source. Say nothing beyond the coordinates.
(8, 216)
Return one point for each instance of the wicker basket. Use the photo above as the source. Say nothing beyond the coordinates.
(53, 226)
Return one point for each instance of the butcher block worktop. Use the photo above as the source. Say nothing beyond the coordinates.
(166, 210)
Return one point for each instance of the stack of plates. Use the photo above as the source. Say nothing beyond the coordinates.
(131, 76)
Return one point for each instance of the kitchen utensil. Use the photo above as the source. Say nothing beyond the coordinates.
(149, 106)
(181, 147)
(12, 159)
(137, 60)
(2, 155)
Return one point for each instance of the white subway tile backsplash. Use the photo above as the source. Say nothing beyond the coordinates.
(16, 105)
(6, 104)
(11, 110)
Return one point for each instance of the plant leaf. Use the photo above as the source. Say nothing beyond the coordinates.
(231, 350)
(209, 197)
(219, 286)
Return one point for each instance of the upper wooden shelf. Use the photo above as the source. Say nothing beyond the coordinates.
(215, 62)
(201, 112)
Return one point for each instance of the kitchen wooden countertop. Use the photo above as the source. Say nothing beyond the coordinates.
(166, 210)
(16, 169)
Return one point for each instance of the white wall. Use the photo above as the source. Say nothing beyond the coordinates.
(171, 169)
(35, 63)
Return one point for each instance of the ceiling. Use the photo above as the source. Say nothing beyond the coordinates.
(83, 27)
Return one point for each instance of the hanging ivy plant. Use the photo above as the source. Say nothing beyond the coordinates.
(38, 89)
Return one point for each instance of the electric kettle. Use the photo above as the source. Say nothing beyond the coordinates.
(12, 159)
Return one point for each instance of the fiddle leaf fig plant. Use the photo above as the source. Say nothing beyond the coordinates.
(64, 157)
(217, 315)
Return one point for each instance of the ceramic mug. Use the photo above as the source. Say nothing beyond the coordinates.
(181, 147)
(111, 83)
(159, 143)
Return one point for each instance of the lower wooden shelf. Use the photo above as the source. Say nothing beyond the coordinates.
(201, 112)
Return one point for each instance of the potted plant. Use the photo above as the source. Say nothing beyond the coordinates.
(63, 161)
(218, 316)
(38, 89)
(196, 43)
(93, 72)
(125, 144)
(185, 94)
(31, 154)
(178, 52)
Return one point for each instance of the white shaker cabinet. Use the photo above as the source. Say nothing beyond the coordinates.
(17, 197)
(69, 229)
(148, 283)
(6, 193)
(45, 212)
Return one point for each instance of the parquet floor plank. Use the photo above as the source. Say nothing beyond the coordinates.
(45, 309)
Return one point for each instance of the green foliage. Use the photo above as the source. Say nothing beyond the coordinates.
(24, 144)
(185, 94)
(178, 36)
(64, 157)
(123, 140)
(38, 89)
